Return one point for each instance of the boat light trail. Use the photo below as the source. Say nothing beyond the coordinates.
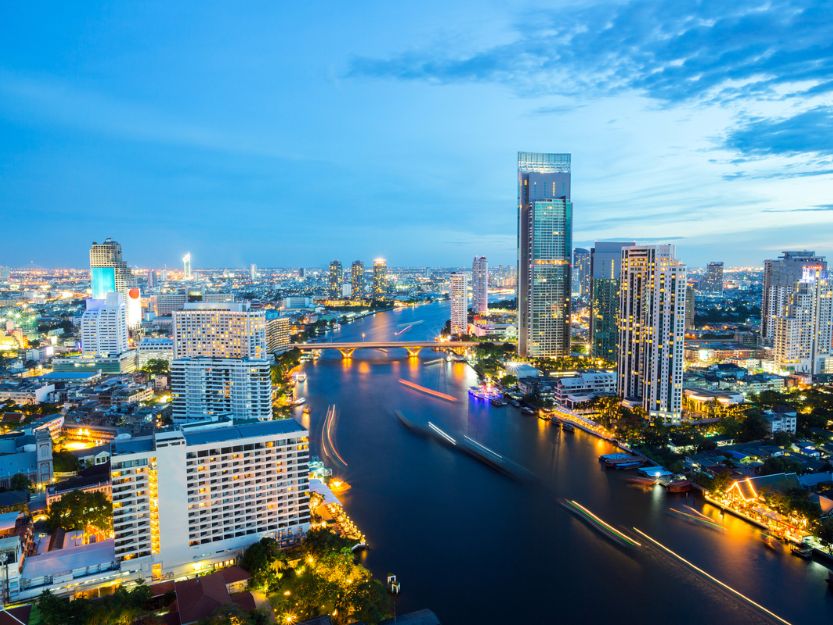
(700, 520)
(600, 524)
(427, 391)
(737, 593)
(483, 447)
(447, 437)
(329, 424)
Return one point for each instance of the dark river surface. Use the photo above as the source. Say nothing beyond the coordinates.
(480, 548)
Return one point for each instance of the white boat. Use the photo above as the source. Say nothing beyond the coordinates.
(300, 401)
(300, 377)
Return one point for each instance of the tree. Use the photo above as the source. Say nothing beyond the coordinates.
(157, 366)
(65, 462)
(824, 531)
(79, 510)
(20, 481)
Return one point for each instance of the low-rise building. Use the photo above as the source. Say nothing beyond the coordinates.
(781, 420)
(151, 348)
(584, 386)
(25, 391)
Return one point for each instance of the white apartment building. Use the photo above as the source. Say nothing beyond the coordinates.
(480, 285)
(277, 335)
(104, 326)
(804, 332)
(219, 330)
(459, 303)
(652, 329)
(187, 500)
(210, 388)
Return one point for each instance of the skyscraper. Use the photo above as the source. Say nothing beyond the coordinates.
(219, 330)
(605, 269)
(690, 307)
(780, 278)
(335, 277)
(545, 232)
(459, 303)
(380, 278)
(480, 285)
(652, 329)
(220, 366)
(108, 271)
(357, 279)
(104, 326)
(582, 275)
(712, 282)
(804, 332)
(186, 267)
(252, 272)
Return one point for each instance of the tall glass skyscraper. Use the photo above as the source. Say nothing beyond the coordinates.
(605, 269)
(545, 233)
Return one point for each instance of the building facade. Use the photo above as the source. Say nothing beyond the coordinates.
(582, 274)
(277, 335)
(219, 330)
(212, 388)
(545, 227)
(104, 326)
(605, 270)
(108, 271)
(652, 330)
(712, 282)
(780, 277)
(221, 365)
(458, 294)
(480, 285)
(357, 279)
(804, 332)
(335, 276)
(186, 500)
(380, 278)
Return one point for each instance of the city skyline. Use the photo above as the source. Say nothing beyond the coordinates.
(192, 130)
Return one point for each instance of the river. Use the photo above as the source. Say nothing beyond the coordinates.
(480, 548)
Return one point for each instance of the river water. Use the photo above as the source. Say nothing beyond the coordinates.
(480, 548)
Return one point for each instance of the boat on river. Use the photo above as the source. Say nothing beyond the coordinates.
(802, 551)
(300, 401)
(568, 427)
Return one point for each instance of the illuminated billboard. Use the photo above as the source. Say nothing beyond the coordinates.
(103, 281)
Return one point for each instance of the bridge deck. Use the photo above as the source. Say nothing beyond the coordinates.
(382, 344)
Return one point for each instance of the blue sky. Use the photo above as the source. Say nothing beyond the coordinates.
(291, 133)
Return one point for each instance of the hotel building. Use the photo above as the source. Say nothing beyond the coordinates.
(187, 500)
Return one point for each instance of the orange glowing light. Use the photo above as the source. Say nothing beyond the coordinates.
(427, 391)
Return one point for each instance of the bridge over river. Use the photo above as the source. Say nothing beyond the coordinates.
(413, 347)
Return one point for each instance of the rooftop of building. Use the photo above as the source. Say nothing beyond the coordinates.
(199, 598)
(211, 432)
(242, 430)
(67, 560)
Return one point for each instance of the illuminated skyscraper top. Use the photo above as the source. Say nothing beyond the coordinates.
(380, 278)
(108, 271)
(545, 232)
(186, 266)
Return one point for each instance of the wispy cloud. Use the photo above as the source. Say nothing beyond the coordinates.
(811, 209)
(807, 132)
(670, 51)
